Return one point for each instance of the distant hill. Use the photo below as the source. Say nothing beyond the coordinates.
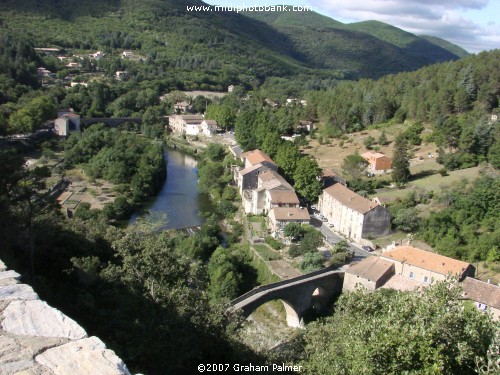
(207, 50)
(453, 48)
(345, 46)
(424, 45)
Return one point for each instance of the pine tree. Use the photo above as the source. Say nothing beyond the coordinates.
(400, 162)
(383, 141)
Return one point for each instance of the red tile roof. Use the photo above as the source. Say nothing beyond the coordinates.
(257, 156)
(289, 213)
(479, 291)
(349, 198)
(283, 197)
(427, 260)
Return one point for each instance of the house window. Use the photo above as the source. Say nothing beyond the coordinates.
(426, 279)
(481, 306)
(412, 275)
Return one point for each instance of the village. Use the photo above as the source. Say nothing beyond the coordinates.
(340, 214)
(343, 215)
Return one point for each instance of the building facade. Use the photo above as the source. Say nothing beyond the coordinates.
(353, 215)
(281, 216)
(486, 296)
(66, 123)
(377, 161)
(424, 266)
(370, 273)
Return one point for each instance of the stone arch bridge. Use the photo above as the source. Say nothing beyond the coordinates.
(113, 122)
(298, 294)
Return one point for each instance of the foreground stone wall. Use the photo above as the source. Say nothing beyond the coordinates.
(37, 339)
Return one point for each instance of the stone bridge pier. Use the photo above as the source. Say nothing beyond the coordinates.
(298, 295)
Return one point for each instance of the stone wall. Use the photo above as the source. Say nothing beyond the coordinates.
(36, 338)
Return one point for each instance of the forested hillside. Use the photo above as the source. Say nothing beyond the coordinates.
(216, 48)
(431, 94)
(350, 47)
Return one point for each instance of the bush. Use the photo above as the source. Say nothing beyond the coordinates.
(294, 250)
(275, 244)
(312, 261)
(226, 208)
(443, 172)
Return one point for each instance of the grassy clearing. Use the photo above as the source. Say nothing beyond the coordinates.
(256, 219)
(434, 182)
(266, 252)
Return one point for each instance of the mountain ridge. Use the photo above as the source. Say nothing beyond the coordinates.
(175, 39)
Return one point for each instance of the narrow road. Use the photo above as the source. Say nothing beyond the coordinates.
(332, 238)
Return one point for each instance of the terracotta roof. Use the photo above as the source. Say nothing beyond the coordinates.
(349, 198)
(283, 196)
(289, 213)
(427, 260)
(372, 268)
(272, 180)
(257, 156)
(482, 292)
(326, 172)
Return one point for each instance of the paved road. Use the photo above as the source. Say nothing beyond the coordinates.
(332, 238)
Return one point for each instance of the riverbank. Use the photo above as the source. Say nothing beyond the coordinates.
(178, 197)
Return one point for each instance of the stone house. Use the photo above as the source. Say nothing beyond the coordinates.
(272, 191)
(208, 127)
(255, 163)
(485, 296)
(377, 161)
(424, 266)
(307, 126)
(370, 273)
(182, 107)
(185, 124)
(281, 216)
(352, 215)
(66, 123)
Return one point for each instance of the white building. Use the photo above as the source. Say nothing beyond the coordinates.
(353, 215)
(67, 122)
(192, 125)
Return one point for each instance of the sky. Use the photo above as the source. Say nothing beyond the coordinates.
(471, 24)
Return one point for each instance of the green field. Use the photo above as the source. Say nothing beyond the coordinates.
(433, 182)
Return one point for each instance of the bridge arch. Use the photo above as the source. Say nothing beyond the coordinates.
(298, 295)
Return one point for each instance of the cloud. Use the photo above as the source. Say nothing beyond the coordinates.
(442, 18)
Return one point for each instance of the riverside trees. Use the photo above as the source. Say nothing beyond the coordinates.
(389, 332)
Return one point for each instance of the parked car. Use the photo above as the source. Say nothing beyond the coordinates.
(331, 225)
(313, 207)
(324, 219)
(367, 248)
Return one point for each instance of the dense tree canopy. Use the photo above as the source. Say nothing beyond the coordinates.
(388, 332)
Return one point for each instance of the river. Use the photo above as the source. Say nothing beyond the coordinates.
(179, 198)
